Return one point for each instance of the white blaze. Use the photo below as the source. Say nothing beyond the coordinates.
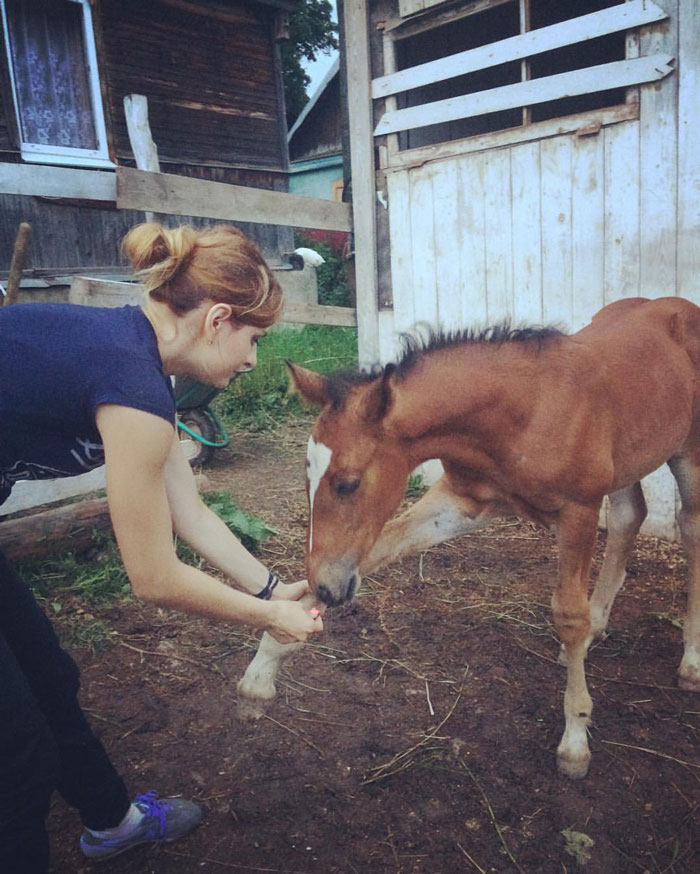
(318, 459)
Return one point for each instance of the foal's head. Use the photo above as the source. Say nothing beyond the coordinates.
(356, 475)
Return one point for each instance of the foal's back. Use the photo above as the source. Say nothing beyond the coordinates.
(649, 351)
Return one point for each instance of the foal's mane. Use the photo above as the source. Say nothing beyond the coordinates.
(417, 347)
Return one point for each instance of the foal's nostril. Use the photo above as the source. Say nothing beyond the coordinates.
(330, 599)
(352, 586)
(325, 595)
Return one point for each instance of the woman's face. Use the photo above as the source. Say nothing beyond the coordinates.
(231, 348)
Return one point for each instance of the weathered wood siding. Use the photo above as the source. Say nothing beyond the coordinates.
(211, 75)
(550, 230)
(210, 79)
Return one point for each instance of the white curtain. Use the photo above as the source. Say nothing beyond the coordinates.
(50, 73)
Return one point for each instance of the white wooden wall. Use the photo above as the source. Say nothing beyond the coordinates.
(550, 230)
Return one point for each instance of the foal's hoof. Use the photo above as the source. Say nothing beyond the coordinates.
(574, 769)
(250, 709)
(253, 698)
(689, 683)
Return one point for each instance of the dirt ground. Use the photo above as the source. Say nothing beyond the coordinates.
(419, 735)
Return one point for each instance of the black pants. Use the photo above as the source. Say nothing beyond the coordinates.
(45, 740)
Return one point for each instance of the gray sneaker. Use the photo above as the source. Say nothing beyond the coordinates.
(164, 821)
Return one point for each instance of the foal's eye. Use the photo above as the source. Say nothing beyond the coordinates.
(347, 487)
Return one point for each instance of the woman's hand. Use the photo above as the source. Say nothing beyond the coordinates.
(290, 622)
(290, 591)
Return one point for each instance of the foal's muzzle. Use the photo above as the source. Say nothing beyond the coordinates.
(334, 598)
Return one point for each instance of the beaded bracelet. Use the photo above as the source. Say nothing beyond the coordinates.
(266, 593)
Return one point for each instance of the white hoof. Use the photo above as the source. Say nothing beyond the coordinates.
(250, 709)
(690, 682)
(253, 697)
(689, 671)
(573, 768)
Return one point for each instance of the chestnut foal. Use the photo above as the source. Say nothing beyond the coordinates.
(531, 422)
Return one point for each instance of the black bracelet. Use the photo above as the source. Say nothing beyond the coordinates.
(266, 593)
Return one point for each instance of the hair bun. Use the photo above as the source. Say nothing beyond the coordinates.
(159, 254)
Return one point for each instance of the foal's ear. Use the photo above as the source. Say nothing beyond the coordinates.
(311, 385)
(379, 397)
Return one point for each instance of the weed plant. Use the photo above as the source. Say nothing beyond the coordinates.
(260, 400)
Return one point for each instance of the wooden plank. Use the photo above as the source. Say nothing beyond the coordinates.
(104, 292)
(557, 302)
(401, 262)
(622, 184)
(587, 229)
(88, 291)
(472, 250)
(617, 74)
(658, 145)
(44, 181)
(689, 150)
(515, 48)
(300, 313)
(498, 237)
(590, 119)
(357, 58)
(448, 232)
(527, 233)
(182, 195)
(423, 245)
(34, 493)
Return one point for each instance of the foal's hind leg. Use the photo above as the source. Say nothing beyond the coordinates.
(686, 470)
(628, 510)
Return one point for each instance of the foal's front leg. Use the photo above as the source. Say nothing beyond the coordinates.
(256, 688)
(627, 511)
(576, 533)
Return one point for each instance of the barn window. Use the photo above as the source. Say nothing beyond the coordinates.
(493, 65)
(53, 68)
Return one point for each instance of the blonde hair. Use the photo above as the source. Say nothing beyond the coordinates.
(185, 266)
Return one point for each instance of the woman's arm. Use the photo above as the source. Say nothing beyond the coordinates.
(138, 447)
(203, 530)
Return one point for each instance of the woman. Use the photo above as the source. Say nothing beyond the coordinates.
(80, 386)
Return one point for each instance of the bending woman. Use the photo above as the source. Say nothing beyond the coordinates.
(82, 386)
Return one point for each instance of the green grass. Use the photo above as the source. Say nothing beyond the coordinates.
(99, 578)
(259, 400)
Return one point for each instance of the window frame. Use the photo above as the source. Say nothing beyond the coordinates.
(39, 153)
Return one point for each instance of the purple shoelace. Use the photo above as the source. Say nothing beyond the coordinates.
(154, 807)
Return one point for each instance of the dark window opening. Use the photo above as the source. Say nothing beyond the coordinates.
(493, 25)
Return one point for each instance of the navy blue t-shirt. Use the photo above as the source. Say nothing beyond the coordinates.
(58, 364)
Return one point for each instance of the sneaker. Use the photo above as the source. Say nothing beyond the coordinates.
(163, 821)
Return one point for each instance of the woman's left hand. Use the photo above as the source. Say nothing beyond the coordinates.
(290, 591)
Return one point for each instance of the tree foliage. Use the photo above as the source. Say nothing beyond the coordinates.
(311, 30)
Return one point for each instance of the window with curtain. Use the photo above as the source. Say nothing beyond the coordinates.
(52, 62)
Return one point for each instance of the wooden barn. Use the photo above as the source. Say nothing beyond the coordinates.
(522, 159)
(210, 72)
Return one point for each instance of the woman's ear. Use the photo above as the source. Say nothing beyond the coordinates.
(216, 316)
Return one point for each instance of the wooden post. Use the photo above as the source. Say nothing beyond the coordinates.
(142, 144)
(19, 255)
(363, 178)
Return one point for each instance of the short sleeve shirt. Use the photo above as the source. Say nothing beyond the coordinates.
(58, 364)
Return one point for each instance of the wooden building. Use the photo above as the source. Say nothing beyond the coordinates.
(316, 164)
(210, 70)
(522, 159)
